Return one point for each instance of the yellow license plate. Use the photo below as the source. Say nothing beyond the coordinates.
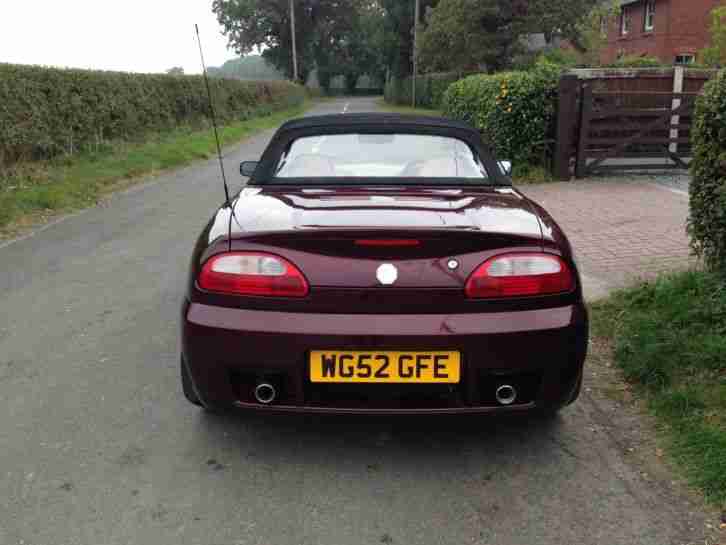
(382, 367)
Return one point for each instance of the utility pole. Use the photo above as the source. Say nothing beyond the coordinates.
(294, 45)
(415, 49)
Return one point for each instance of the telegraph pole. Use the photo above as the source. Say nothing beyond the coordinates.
(415, 49)
(294, 45)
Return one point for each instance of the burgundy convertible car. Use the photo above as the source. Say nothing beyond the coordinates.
(379, 263)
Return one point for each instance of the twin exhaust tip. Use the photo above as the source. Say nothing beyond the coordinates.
(265, 393)
(506, 394)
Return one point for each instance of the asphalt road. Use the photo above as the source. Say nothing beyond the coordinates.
(98, 446)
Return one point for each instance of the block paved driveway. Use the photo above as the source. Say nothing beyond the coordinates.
(621, 231)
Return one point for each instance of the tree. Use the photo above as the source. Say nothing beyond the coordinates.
(715, 54)
(265, 24)
(565, 19)
(397, 39)
(462, 34)
(466, 34)
(352, 48)
(592, 31)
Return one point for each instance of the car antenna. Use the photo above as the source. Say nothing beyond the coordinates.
(214, 118)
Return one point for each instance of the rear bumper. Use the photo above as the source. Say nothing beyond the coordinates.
(226, 350)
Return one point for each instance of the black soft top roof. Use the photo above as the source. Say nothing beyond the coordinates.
(371, 123)
(368, 119)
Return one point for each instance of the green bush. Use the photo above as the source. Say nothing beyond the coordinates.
(707, 222)
(634, 61)
(514, 110)
(45, 112)
(430, 89)
(565, 58)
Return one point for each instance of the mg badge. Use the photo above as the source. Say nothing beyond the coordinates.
(387, 274)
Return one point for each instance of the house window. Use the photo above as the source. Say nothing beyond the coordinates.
(685, 58)
(604, 26)
(625, 22)
(649, 15)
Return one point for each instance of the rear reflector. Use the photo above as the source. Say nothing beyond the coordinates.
(388, 242)
(520, 275)
(248, 273)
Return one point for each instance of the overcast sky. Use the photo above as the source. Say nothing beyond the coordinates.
(128, 35)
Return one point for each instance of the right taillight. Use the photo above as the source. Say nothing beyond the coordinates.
(520, 275)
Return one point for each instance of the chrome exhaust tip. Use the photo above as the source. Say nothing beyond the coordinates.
(265, 393)
(506, 394)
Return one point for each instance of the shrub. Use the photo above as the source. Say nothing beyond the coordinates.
(46, 112)
(634, 61)
(707, 222)
(514, 110)
(430, 89)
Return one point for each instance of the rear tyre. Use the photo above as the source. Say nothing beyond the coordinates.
(191, 395)
(187, 386)
(554, 410)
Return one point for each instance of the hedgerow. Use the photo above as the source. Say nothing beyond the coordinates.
(46, 112)
(514, 110)
(707, 222)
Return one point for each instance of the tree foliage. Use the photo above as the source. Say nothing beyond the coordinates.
(398, 33)
(340, 37)
(566, 19)
(715, 54)
(466, 34)
(592, 31)
(351, 47)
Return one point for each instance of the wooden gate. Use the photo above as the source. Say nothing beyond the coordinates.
(634, 131)
(635, 119)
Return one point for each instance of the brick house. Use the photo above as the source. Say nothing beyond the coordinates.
(674, 31)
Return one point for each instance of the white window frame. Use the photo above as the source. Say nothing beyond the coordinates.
(626, 21)
(686, 59)
(649, 22)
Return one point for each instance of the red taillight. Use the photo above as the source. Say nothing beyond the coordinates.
(388, 242)
(520, 275)
(251, 273)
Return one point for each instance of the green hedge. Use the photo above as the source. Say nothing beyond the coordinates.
(430, 89)
(514, 110)
(707, 223)
(46, 111)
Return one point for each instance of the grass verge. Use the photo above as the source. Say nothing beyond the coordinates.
(531, 174)
(669, 339)
(31, 190)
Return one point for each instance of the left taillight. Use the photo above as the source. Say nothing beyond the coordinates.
(520, 275)
(251, 273)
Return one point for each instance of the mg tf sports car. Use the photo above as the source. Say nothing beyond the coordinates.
(382, 264)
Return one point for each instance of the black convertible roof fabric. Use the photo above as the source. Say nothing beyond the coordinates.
(372, 119)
